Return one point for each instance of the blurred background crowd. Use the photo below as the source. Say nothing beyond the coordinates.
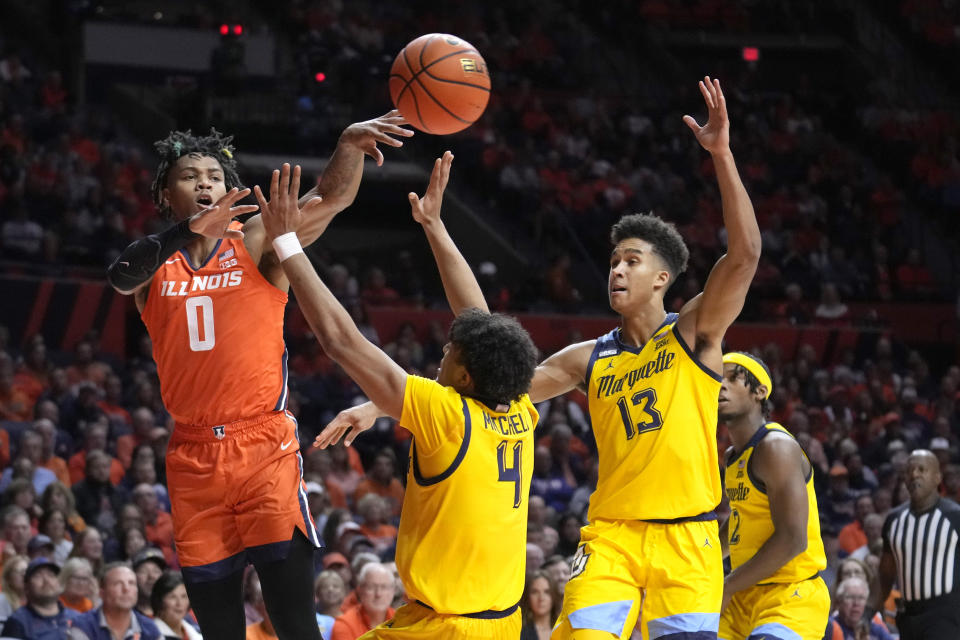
(850, 158)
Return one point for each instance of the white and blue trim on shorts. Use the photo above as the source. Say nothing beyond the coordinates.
(774, 631)
(685, 625)
(608, 616)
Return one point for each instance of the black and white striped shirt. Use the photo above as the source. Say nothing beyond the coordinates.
(924, 546)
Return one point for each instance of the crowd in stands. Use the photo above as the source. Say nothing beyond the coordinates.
(83, 435)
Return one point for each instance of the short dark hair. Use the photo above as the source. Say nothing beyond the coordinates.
(180, 143)
(751, 380)
(497, 353)
(662, 236)
(167, 582)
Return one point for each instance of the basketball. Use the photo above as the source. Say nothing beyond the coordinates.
(440, 83)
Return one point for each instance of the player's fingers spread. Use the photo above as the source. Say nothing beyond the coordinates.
(377, 156)
(708, 98)
(233, 233)
(692, 123)
(274, 183)
(295, 183)
(242, 209)
(259, 194)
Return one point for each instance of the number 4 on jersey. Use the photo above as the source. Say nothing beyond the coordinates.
(512, 473)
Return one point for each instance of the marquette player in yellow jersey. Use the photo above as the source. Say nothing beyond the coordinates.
(651, 548)
(203, 287)
(461, 544)
(774, 590)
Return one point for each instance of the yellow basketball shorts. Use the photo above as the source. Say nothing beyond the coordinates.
(788, 611)
(416, 622)
(670, 576)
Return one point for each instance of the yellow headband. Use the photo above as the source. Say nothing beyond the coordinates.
(752, 365)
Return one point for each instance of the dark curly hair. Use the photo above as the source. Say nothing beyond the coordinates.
(497, 353)
(663, 236)
(751, 380)
(180, 143)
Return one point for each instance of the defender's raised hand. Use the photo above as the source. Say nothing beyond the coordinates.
(282, 214)
(427, 209)
(715, 135)
(352, 422)
(213, 221)
(365, 135)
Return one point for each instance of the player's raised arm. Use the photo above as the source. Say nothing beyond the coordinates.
(459, 283)
(135, 266)
(381, 379)
(704, 321)
(562, 372)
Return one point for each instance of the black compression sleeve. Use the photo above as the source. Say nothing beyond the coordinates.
(141, 259)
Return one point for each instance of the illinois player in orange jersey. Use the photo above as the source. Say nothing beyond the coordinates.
(211, 293)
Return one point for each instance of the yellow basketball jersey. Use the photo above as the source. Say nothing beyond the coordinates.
(750, 522)
(461, 547)
(654, 415)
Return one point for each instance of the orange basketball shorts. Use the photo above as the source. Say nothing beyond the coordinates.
(237, 494)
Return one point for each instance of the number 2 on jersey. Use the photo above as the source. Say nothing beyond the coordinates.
(646, 400)
(512, 473)
(735, 517)
(197, 307)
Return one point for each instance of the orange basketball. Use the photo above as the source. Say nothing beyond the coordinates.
(440, 83)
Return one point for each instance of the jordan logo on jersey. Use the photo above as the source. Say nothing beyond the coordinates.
(611, 384)
(579, 562)
(219, 431)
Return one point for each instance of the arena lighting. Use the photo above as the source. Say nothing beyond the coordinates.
(238, 29)
(224, 29)
(320, 76)
(751, 54)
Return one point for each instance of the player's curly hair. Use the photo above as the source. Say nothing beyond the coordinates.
(180, 143)
(662, 236)
(497, 352)
(751, 380)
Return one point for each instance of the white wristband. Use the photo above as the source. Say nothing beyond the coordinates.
(287, 245)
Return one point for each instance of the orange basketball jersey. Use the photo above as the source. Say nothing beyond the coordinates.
(217, 331)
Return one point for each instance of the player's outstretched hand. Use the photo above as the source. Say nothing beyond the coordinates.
(427, 209)
(715, 135)
(213, 221)
(365, 135)
(282, 215)
(352, 422)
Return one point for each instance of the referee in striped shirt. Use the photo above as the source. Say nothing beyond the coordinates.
(920, 553)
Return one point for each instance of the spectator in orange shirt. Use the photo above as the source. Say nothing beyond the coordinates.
(158, 524)
(33, 374)
(852, 536)
(14, 403)
(143, 421)
(79, 585)
(48, 438)
(59, 496)
(95, 440)
(381, 481)
(112, 402)
(375, 510)
(342, 473)
(375, 587)
(86, 368)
